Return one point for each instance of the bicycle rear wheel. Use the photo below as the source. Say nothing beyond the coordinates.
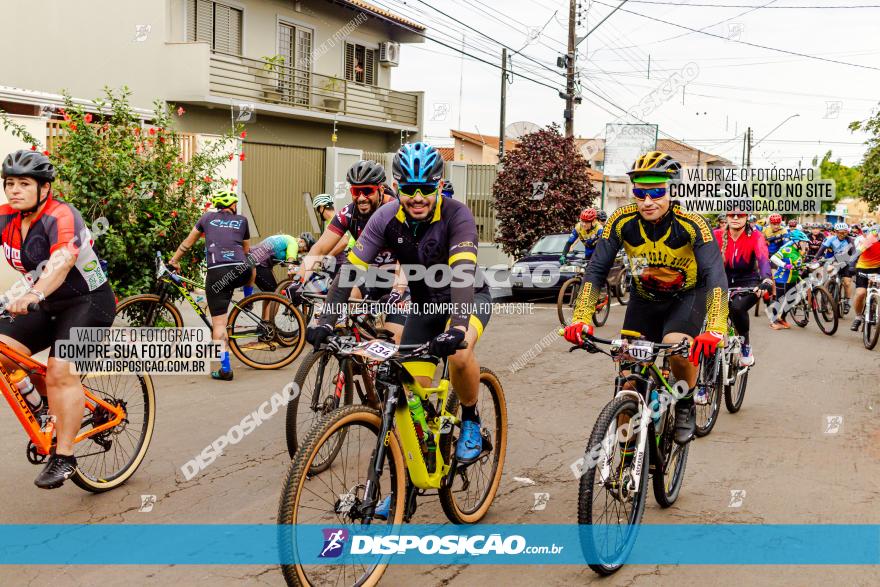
(336, 496)
(622, 291)
(604, 504)
(109, 459)
(800, 313)
(825, 311)
(871, 327)
(266, 331)
(323, 384)
(603, 308)
(468, 493)
(713, 379)
(147, 310)
(567, 300)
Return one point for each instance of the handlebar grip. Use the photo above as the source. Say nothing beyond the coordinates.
(462, 345)
(33, 307)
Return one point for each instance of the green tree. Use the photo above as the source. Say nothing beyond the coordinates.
(869, 189)
(131, 181)
(541, 189)
(847, 180)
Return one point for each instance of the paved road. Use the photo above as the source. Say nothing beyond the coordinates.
(775, 450)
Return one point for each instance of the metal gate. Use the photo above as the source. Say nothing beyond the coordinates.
(274, 179)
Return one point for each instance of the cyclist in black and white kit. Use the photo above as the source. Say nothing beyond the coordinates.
(227, 236)
(47, 240)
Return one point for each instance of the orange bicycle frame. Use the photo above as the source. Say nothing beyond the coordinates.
(43, 437)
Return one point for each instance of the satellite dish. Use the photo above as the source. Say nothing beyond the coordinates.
(517, 130)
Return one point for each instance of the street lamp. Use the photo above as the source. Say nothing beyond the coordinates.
(775, 129)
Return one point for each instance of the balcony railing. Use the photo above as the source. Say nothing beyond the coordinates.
(253, 80)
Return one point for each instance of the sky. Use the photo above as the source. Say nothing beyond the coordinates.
(706, 90)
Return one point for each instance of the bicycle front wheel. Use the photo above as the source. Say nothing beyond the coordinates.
(108, 459)
(712, 379)
(336, 496)
(266, 331)
(567, 300)
(322, 384)
(147, 310)
(800, 313)
(603, 307)
(871, 327)
(825, 311)
(469, 491)
(612, 506)
(668, 475)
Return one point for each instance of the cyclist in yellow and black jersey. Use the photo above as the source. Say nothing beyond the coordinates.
(677, 271)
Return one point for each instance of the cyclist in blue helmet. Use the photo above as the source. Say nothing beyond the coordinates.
(447, 191)
(424, 230)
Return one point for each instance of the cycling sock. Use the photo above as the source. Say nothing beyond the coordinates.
(248, 290)
(469, 413)
(224, 362)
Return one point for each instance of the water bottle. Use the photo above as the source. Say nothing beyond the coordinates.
(655, 406)
(419, 421)
(27, 390)
(199, 298)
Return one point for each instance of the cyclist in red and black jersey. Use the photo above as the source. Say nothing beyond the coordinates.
(47, 240)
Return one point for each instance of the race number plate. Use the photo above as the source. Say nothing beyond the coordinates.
(641, 351)
(378, 350)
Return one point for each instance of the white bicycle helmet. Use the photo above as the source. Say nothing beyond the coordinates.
(841, 226)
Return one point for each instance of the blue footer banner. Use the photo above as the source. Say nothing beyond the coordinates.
(418, 544)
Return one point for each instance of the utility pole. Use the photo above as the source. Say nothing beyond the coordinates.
(503, 104)
(749, 148)
(569, 71)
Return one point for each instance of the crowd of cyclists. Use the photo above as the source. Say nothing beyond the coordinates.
(681, 267)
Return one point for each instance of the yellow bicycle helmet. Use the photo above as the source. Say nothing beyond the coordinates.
(224, 199)
(653, 167)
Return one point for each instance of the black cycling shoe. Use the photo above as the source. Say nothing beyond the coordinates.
(222, 375)
(685, 421)
(857, 324)
(56, 472)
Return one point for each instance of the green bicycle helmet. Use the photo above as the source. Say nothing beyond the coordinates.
(224, 199)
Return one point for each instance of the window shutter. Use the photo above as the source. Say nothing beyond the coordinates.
(370, 67)
(349, 62)
(227, 29)
(204, 21)
(303, 50)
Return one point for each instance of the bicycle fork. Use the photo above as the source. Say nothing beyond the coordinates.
(377, 461)
(642, 431)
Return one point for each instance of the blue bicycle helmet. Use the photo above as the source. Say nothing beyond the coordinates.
(447, 191)
(417, 163)
(797, 236)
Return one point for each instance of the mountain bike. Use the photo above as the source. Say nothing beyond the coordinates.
(118, 418)
(632, 439)
(328, 377)
(838, 291)
(308, 299)
(389, 453)
(871, 315)
(620, 278)
(570, 291)
(816, 299)
(734, 378)
(269, 338)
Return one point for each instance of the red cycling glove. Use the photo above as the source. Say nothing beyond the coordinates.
(574, 333)
(705, 345)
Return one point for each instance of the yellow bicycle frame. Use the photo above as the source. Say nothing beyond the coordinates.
(412, 451)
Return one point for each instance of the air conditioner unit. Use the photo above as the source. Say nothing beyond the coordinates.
(389, 53)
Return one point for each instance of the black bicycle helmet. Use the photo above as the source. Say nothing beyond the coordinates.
(309, 240)
(366, 173)
(29, 164)
(602, 215)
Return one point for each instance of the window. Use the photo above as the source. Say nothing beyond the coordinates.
(215, 23)
(360, 64)
(295, 45)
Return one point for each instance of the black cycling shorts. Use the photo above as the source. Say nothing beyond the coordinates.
(265, 280)
(862, 276)
(220, 284)
(654, 320)
(39, 330)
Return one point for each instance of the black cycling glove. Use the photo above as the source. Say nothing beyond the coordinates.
(447, 343)
(317, 335)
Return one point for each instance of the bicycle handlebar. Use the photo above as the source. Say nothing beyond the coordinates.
(660, 346)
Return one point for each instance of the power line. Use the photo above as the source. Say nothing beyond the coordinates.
(590, 32)
(681, 26)
(755, 5)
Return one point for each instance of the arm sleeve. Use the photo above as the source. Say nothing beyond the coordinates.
(463, 262)
(571, 238)
(710, 266)
(762, 255)
(779, 259)
(292, 247)
(597, 272)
